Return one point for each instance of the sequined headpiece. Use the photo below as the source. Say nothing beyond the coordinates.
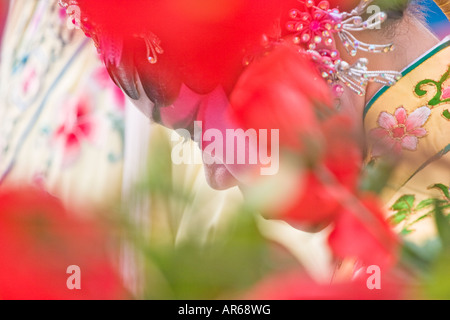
(314, 29)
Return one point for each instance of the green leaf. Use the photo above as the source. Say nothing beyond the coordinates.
(425, 203)
(405, 202)
(397, 218)
(443, 188)
(422, 217)
(446, 114)
(405, 232)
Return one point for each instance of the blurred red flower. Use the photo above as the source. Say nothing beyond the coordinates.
(297, 286)
(315, 200)
(310, 207)
(40, 239)
(204, 42)
(364, 234)
(342, 154)
(281, 91)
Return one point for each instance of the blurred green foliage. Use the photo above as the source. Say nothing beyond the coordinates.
(225, 266)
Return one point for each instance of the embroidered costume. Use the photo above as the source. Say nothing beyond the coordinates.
(61, 117)
(412, 121)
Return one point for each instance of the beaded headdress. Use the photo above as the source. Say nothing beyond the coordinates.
(314, 27)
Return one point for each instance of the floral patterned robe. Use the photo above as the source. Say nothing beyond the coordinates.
(411, 120)
(61, 117)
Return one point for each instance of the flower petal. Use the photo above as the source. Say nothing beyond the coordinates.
(418, 132)
(445, 93)
(401, 115)
(410, 143)
(387, 121)
(71, 149)
(417, 118)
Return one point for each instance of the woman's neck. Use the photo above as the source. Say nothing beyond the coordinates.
(411, 40)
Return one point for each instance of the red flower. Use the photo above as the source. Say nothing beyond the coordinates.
(40, 239)
(342, 151)
(363, 234)
(314, 203)
(281, 91)
(203, 41)
(296, 286)
(310, 207)
(273, 94)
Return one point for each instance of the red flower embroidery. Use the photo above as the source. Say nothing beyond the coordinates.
(399, 130)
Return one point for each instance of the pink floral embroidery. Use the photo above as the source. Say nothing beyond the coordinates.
(30, 81)
(399, 130)
(446, 93)
(77, 125)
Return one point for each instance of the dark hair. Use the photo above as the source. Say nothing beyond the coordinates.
(395, 9)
